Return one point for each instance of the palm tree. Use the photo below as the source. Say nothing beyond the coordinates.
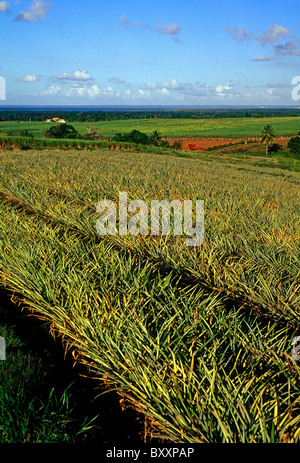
(268, 136)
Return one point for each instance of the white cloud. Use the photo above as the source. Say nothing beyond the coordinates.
(28, 78)
(178, 90)
(164, 92)
(79, 75)
(223, 90)
(170, 91)
(171, 84)
(4, 6)
(37, 11)
(52, 90)
(79, 91)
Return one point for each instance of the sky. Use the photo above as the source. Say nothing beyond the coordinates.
(158, 52)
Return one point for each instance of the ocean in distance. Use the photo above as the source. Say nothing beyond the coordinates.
(129, 108)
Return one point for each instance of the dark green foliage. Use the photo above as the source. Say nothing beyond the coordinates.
(268, 135)
(29, 413)
(26, 133)
(62, 131)
(294, 144)
(275, 148)
(135, 136)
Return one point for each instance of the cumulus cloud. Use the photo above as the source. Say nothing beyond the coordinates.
(37, 11)
(170, 84)
(164, 91)
(224, 90)
(52, 90)
(239, 33)
(28, 78)
(78, 90)
(171, 29)
(176, 89)
(273, 34)
(78, 75)
(4, 6)
(290, 48)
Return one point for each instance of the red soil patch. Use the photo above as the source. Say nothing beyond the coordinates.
(215, 142)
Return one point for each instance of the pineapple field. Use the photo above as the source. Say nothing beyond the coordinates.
(197, 340)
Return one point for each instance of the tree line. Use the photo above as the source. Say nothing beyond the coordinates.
(96, 116)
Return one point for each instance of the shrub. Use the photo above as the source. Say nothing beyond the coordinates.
(177, 145)
(135, 136)
(62, 131)
(294, 144)
(275, 147)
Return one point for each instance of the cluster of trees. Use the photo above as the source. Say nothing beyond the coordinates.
(62, 131)
(294, 144)
(135, 136)
(267, 139)
(68, 131)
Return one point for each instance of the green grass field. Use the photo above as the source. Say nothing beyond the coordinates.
(229, 127)
(198, 340)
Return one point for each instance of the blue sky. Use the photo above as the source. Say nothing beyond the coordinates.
(168, 52)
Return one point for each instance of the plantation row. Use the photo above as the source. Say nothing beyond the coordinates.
(196, 339)
(11, 142)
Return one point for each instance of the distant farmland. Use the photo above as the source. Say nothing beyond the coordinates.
(225, 127)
